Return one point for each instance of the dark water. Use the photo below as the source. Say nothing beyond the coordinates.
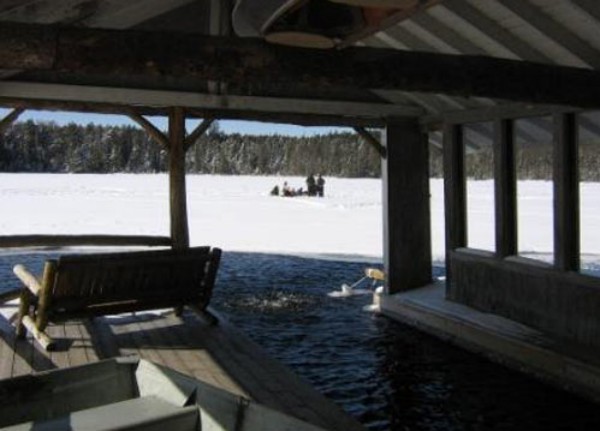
(387, 375)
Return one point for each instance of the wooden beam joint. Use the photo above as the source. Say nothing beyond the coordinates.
(197, 133)
(372, 141)
(10, 119)
(150, 128)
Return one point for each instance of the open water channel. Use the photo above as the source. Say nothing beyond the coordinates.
(386, 374)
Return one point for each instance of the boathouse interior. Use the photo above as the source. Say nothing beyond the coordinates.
(457, 76)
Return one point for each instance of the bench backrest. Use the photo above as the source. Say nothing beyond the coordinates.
(119, 282)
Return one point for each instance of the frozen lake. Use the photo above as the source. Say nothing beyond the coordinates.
(237, 213)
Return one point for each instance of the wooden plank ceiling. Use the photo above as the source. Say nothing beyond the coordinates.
(552, 32)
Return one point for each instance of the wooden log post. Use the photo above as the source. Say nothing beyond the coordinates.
(178, 200)
(566, 193)
(406, 212)
(505, 188)
(455, 202)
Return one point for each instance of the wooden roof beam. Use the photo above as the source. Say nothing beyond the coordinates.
(118, 100)
(168, 55)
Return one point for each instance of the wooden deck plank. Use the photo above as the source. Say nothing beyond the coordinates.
(87, 342)
(7, 351)
(219, 355)
(41, 358)
(202, 362)
(121, 330)
(60, 356)
(102, 338)
(76, 353)
(159, 328)
(23, 357)
(144, 345)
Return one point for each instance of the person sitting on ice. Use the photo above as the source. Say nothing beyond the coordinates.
(287, 190)
(275, 191)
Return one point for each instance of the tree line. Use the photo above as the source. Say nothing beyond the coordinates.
(47, 147)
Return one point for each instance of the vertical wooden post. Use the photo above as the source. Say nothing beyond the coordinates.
(455, 200)
(178, 201)
(505, 188)
(566, 193)
(406, 212)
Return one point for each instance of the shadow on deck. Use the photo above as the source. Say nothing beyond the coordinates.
(219, 355)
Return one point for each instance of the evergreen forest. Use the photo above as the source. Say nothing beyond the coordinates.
(47, 147)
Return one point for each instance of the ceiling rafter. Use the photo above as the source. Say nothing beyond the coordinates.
(495, 31)
(592, 7)
(119, 14)
(405, 37)
(554, 31)
(450, 36)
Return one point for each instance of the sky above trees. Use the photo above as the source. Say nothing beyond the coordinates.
(226, 126)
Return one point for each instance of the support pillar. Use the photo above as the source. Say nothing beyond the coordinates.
(178, 201)
(566, 193)
(406, 209)
(455, 201)
(505, 186)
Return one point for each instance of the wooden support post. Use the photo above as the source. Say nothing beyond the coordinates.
(406, 212)
(178, 200)
(455, 201)
(505, 188)
(566, 193)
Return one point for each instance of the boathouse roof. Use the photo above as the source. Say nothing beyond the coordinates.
(162, 53)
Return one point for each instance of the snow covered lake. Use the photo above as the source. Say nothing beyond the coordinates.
(237, 213)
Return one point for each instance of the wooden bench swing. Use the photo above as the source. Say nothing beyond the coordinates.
(88, 285)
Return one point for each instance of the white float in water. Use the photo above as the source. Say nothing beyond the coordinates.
(346, 291)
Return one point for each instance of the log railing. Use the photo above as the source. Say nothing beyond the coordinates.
(12, 241)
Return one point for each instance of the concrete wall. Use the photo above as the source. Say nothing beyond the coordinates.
(564, 304)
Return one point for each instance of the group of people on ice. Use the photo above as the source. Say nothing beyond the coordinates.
(314, 187)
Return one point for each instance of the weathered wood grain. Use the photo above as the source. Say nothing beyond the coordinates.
(242, 61)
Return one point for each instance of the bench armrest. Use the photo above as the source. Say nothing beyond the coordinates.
(30, 281)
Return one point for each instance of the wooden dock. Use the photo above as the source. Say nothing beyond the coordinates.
(219, 355)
